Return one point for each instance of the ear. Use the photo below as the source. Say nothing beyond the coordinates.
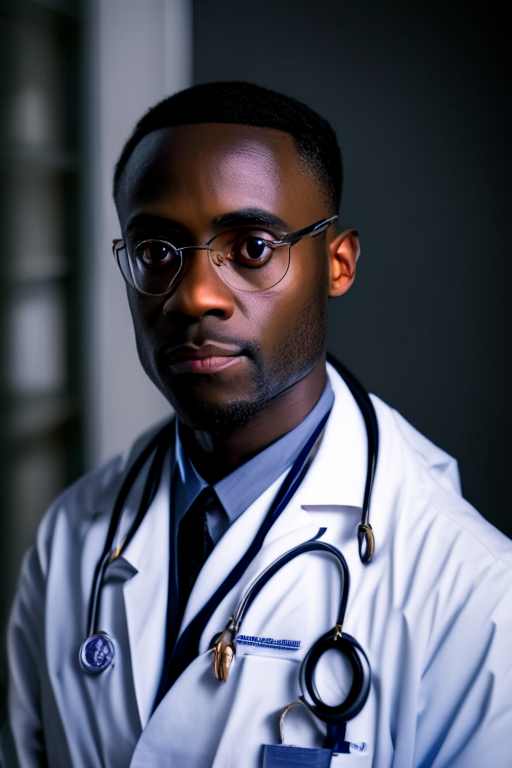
(344, 252)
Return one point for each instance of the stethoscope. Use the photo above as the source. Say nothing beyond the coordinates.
(224, 646)
(97, 652)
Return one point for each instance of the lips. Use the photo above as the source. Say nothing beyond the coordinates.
(207, 359)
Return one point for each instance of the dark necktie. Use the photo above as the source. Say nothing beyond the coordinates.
(194, 543)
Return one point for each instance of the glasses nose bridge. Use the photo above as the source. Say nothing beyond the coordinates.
(199, 288)
(205, 247)
(212, 265)
(215, 261)
(194, 248)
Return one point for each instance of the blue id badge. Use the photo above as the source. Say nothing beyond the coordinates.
(281, 756)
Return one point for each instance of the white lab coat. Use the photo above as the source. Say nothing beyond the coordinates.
(433, 611)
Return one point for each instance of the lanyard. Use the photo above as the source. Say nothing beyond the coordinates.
(187, 647)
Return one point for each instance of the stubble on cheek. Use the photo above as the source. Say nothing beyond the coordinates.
(297, 353)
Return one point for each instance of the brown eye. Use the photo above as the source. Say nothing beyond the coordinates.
(155, 253)
(253, 251)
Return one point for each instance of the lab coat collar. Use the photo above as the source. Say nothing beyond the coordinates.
(140, 551)
(337, 475)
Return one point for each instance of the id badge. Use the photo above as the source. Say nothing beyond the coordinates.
(281, 756)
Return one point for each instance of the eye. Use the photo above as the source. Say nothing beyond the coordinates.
(252, 250)
(155, 253)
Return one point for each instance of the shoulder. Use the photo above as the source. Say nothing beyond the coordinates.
(443, 467)
(445, 569)
(417, 500)
(424, 482)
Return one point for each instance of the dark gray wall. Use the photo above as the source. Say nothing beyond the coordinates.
(419, 98)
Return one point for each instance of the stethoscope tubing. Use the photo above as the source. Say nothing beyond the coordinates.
(365, 537)
(187, 645)
(312, 545)
(158, 445)
(224, 645)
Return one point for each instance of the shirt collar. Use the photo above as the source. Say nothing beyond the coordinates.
(187, 482)
(238, 490)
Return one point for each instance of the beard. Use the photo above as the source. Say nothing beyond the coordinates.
(292, 358)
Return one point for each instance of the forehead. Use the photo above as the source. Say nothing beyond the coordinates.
(209, 169)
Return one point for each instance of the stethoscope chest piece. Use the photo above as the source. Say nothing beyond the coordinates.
(361, 677)
(97, 653)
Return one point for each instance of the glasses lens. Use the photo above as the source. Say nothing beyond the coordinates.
(249, 260)
(154, 266)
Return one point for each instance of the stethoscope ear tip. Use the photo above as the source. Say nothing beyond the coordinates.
(97, 653)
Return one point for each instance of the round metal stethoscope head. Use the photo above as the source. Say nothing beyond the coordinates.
(97, 653)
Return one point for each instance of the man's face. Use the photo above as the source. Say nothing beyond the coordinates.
(217, 354)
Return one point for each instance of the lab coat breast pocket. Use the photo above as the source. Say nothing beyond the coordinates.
(262, 687)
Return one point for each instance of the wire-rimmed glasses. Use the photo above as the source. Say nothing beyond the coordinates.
(246, 258)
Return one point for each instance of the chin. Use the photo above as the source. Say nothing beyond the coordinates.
(211, 403)
(215, 417)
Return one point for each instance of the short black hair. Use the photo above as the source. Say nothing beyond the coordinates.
(244, 103)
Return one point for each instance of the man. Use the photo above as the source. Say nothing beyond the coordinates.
(229, 311)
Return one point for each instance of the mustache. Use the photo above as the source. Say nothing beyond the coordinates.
(164, 349)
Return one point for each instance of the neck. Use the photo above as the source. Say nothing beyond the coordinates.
(215, 456)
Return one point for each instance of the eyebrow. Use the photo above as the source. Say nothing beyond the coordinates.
(258, 217)
(250, 216)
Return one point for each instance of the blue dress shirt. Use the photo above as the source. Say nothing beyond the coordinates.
(238, 490)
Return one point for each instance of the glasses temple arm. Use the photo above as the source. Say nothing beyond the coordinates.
(312, 231)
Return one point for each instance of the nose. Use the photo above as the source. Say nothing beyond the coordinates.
(200, 290)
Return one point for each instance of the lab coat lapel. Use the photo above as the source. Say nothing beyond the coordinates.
(235, 542)
(141, 570)
(110, 698)
(334, 481)
(167, 739)
(332, 492)
(148, 553)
